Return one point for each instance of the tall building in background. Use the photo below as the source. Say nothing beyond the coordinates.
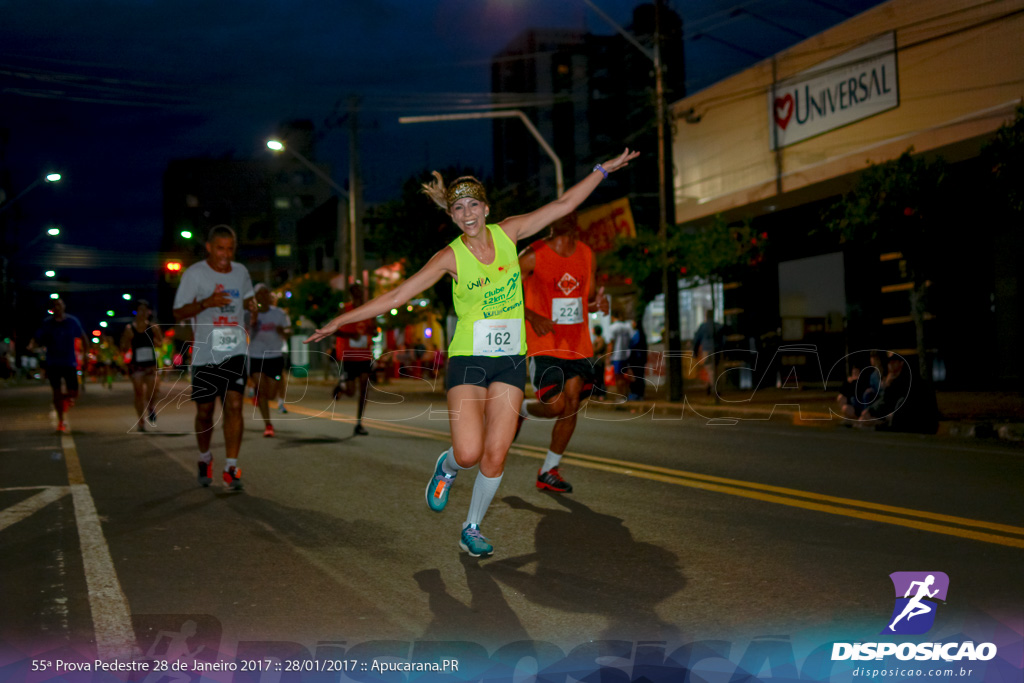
(286, 216)
(597, 96)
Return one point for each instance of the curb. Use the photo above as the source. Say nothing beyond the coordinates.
(732, 414)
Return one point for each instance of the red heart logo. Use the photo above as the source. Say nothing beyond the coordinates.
(783, 110)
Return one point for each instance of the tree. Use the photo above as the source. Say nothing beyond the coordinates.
(705, 254)
(313, 298)
(1005, 154)
(904, 205)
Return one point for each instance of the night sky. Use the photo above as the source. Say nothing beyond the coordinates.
(107, 92)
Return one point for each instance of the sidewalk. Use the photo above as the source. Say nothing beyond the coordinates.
(971, 414)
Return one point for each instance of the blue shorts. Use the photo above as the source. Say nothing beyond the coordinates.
(482, 371)
(619, 365)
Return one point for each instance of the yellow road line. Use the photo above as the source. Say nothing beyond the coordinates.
(764, 492)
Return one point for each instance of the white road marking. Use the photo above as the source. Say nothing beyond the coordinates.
(111, 618)
(18, 512)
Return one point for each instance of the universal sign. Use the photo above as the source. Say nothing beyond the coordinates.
(855, 85)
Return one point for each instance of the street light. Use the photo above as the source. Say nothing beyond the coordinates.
(503, 114)
(669, 283)
(278, 146)
(53, 232)
(48, 178)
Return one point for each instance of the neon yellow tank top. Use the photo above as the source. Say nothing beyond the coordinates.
(488, 301)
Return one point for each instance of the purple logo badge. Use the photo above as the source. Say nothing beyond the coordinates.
(917, 596)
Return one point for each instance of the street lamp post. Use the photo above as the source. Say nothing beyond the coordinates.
(278, 146)
(48, 178)
(8, 275)
(502, 114)
(669, 282)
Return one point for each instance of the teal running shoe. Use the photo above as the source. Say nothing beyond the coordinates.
(440, 483)
(474, 543)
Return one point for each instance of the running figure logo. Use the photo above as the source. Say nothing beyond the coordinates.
(914, 612)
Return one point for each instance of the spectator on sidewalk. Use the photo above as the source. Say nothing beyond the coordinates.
(905, 403)
(706, 341)
(619, 334)
(855, 393)
(599, 360)
(637, 362)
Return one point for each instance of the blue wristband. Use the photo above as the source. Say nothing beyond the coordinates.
(599, 167)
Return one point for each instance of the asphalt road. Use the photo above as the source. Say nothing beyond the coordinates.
(677, 532)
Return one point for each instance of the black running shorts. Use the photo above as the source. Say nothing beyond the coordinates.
(482, 371)
(69, 373)
(549, 375)
(356, 368)
(211, 381)
(271, 367)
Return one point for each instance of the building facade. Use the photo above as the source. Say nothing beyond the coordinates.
(288, 219)
(780, 142)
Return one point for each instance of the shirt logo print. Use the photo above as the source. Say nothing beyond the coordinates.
(568, 283)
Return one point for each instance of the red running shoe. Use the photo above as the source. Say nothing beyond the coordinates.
(233, 478)
(269, 431)
(552, 481)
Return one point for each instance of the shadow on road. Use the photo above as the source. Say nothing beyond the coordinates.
(487, 619)
(292, 441)
(586, 562)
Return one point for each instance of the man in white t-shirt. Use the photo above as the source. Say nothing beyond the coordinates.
(214, 294)
(268, 332)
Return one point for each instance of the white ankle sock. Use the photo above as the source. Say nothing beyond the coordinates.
(206, 457)
(484, 489)
(229, 463)
(550, 460)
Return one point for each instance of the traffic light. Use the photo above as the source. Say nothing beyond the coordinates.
(172, 271)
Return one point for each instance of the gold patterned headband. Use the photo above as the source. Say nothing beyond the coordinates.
(466, 188)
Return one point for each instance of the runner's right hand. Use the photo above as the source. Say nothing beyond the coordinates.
(216, 300)
(322, 333)
(541, 325)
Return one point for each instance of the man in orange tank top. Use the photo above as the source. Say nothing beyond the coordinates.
(559, 274)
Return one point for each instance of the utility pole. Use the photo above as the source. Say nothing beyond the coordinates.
(666, 209)
(666, 215)
(355, 186)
